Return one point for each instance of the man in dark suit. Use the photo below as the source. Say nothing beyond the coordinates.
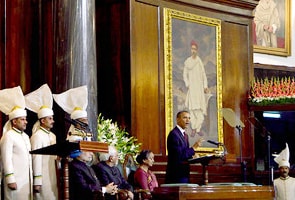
(83, 181)
(108, 172)
(178, 169)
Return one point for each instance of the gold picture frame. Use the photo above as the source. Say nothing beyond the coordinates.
(180, 28)
(272, 39)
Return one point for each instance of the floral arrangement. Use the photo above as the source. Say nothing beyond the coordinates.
(272, 91)
(111, 133)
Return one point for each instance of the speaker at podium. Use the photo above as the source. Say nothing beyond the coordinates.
(204, 160)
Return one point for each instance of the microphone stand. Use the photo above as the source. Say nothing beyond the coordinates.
(219, 144)
(243, 162)
(231, 118)
(224, 152)
(270, 168)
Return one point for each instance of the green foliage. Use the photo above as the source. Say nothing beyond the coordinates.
(111, 133)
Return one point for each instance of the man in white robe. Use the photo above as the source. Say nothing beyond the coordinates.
(74, 101)
(195, 80)
(45, 186)
(267, 23)
(15, 147)
(284, 186)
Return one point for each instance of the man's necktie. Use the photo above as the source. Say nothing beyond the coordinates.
(185, 138)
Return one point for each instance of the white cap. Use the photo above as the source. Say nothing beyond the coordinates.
(73, 101)
(40, 101)
(12, 103)
(17, 112)
(283, 158)
(284, 163)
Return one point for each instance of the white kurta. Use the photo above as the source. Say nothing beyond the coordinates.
(44, 170)
(195, 79)
(17, 164)
(266, 14)
(284, 189)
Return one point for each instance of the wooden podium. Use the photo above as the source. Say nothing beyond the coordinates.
(204, 160)
(214, 193)
(63, 150)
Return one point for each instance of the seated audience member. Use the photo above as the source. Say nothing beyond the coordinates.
(83, 181)
(143, 177)
(108, 172)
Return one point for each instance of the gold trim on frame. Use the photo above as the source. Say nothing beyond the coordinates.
(286, 51)
(169, 15)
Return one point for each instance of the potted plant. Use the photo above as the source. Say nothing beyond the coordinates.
(272, 91)
(111, 133)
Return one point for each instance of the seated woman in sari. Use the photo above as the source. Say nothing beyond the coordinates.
(143, 177)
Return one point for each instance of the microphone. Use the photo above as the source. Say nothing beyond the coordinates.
(213, 142)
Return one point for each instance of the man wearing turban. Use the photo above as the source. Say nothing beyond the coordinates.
(267, 23)
(284, 186)
(195, 80)
(15, 146)
(40, 101)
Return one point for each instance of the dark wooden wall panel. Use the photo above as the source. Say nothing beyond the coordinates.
(47, 15)
(17, 43)
(113, 60)
(235, 82)
(145, 76)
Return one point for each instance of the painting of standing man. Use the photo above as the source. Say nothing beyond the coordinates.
(195, 80)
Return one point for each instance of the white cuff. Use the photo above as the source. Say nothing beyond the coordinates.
(103, 190)
(10, 178)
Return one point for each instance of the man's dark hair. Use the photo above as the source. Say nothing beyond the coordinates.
(180, 112)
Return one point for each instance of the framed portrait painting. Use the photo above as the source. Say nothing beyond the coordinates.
(193, 75)
(271, 27)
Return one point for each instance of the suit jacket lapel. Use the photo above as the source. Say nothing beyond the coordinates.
(181, 136)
